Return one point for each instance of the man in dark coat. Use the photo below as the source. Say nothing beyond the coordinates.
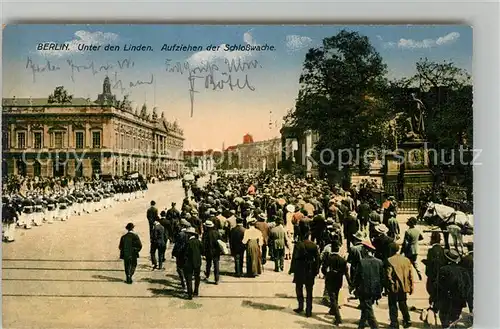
(334, 268)
(262, 226)
(363, 214)
(305, 267)
(351, 226)
(178, 252)
(356, 253)
(212, 250)
(130, 246)
(237, 246)
(381, 242)
(158, 243)
(192, 262)
(433, 263)
(369, 282)
(468, 263)
(453, 287)
(152, 215)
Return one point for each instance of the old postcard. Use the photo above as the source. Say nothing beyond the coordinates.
(210, 176)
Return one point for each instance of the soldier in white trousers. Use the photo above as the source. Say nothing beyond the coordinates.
(9, 219)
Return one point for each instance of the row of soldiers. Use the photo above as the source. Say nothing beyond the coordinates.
(34, 207)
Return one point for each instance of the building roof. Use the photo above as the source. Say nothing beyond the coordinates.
(37, 102)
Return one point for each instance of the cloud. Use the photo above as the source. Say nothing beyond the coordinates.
(81, 37)
(211, 56)
(297, 42)
(423, 44)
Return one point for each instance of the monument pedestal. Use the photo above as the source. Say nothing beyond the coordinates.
(416, 172)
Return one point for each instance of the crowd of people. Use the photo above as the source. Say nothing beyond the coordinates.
(257, 218)
(28, 202)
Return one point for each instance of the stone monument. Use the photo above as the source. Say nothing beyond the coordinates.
(408, 166)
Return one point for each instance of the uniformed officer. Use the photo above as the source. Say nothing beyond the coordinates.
(9, 219)
(38, 208)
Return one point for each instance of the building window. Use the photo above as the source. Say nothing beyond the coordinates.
(21, 140)
(58, 140)
(37, 140)
(5, 141)
(96, 139)
(121, 141)
(37, 169)
(79, 140)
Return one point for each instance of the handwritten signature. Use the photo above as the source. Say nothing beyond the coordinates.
(94, 68)
(210, 82)
(118, 83)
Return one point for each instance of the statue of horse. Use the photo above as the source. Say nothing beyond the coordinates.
(451, 222)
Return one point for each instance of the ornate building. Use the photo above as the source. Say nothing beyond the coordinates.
(61, 136)
(253, 155)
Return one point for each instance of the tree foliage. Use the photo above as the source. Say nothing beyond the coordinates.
(340, 95)
(60, 96)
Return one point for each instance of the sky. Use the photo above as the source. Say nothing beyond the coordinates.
(212, 114)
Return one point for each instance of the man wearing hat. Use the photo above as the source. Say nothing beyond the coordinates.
(351, 226)
(381, 242)
(278, 241)
(453, 287)
(212, 250)
(192, 262)
(433, 263)
(356, 252)
(237, 247)
(178, 251)
(410, 244)
(399, 283)
(130, 246)
(368, 281)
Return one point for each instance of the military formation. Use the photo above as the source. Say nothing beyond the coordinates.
(61, 202)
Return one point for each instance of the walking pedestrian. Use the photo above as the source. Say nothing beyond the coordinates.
(212, 250)
(410, 244)
(253, 240)
(158, 243)
(130, 246)
(305, 267)
(399, 283)
(192, 262)
(279, 241)
(237, 246)
(334, 268)
(368, 282)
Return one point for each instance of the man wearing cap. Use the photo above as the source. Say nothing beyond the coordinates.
(453, 287)
(130, 246)
(334, 268)
(9, 219)
(152, 215)
(368, 281)
(410, 244)
(192, 262)
(399, 283)
(212, 250)
(174, 216)
(237, 247)
(158, 243)
(305, 266)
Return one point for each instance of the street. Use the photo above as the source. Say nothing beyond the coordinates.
(69, 275)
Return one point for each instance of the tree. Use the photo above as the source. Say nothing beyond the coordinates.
(60, 96)
(340, 97)
(446, 92)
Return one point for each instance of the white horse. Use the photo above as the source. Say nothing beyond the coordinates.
(453, 222)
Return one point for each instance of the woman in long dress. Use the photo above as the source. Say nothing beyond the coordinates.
(254, 240)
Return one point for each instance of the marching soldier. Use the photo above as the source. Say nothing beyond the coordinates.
(9, 219)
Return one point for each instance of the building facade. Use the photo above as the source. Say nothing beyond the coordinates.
(49, 138)
(254, 155)
(205, 161)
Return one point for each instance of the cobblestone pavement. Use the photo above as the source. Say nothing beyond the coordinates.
(68, 275)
